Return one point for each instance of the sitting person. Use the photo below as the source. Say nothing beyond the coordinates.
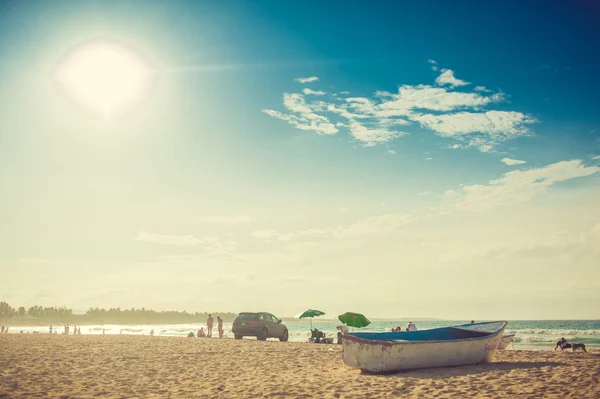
(316, 335)
(201, 333)
(411, 326)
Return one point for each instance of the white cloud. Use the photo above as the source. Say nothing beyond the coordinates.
(372, 136)
(309, 92)
(482, 89)
(511, 162)
(447, 78)
(455, 146)
(520, 185)
(375, 120)
(307, 120)
(432, 98)
(434, 65)
(225, 219)
(343, 209)
(392, 152)
(428, 159)
(307, 80)
(493, 126)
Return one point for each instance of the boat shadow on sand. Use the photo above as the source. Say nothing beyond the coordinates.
(459, 371)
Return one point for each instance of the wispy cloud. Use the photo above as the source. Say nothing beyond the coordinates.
(307, 80)
(306, 118)
(482, 89)
(447, 78)
(457, 115)
(434, 65)
(511, 162)
(310, 92)
(212, 244)
(520, 185)
(224, 219)
(185, 240)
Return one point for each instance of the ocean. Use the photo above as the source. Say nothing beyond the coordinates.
(530, 334)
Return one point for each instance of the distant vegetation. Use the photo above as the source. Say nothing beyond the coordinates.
(62, 315)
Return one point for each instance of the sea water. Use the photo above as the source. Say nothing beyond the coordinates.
(530, 334)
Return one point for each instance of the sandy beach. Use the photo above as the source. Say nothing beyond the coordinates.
(44, 366)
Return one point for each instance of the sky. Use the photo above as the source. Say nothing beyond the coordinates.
(398, 159)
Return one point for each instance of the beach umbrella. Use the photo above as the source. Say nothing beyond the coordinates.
(354, 319)
(310, 313)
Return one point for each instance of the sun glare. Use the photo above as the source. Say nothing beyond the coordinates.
(105, 77)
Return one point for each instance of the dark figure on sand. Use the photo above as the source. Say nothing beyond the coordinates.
(209, 326)
(562, 344)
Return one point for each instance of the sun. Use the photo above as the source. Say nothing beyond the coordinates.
(105, 77)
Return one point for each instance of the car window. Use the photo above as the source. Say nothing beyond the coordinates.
(247, 316)
(264, 317)
(275, 319)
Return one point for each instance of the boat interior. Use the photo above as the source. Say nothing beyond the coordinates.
(438, 334)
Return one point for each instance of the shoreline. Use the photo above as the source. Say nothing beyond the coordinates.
(542, 347)
(114, 366)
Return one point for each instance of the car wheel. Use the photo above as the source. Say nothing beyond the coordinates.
(263, 334)
(285, 336)
(238, 336)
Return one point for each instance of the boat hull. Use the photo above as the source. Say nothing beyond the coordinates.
(386, 356)
(505, 341)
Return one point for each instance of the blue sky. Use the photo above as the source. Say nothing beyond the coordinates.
(374, 153)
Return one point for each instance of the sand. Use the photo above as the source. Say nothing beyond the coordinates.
(45, 366)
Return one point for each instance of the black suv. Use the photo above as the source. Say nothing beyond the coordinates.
(261, 325)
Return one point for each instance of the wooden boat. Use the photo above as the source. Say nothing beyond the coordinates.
(506, 340)
(439, 347)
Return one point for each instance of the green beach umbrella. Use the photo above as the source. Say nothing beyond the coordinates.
(310, 313)
(354, 319)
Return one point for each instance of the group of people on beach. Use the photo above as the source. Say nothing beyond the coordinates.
(209, 328)
(410, 327)
(4, 330)
(67, 331)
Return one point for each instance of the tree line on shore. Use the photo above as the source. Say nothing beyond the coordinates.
(62, 315)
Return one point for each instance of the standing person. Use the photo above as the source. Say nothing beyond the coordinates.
(343, 328)
(209, 326)
(50, 329)
(2, 331)
(75, 330)
(220, 326)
